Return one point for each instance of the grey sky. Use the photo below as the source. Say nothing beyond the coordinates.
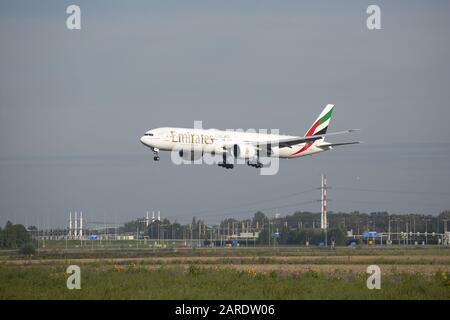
(73, 104)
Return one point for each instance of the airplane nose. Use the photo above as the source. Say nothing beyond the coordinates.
(143, 140)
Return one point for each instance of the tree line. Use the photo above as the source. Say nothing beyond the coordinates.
(14, 236)
(297, 228)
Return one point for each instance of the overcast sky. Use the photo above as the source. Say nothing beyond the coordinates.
(73, 105)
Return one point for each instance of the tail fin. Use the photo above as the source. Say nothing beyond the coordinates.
(320, 126)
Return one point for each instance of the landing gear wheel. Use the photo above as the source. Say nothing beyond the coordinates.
(224, 164)
(156, 154)
(255, 165)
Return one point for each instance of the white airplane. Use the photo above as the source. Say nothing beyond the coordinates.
(243, 145)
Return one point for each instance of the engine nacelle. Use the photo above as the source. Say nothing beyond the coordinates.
(190, 154)
(244, 151)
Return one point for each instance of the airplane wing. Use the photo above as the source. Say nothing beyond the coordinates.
(289, 142)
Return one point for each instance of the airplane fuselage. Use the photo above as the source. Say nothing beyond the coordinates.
(250, 146)
(213, 141)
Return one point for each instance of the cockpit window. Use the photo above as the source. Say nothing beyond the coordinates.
(149, 134)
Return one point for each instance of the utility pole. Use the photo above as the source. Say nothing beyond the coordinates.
(76, 226)
(218, 238)
(276, 217)
(211, 241)
(389, 229)
(323, 216)
(70, 224)
(80, 233)
(407, 234)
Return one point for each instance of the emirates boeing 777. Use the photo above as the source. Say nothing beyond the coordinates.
(244, 145)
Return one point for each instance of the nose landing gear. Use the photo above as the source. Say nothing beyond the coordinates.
(156, 154)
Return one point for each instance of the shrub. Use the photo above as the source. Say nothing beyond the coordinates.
(27, 249)
(195, 271)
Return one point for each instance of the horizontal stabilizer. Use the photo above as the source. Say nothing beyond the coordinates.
(327, 145)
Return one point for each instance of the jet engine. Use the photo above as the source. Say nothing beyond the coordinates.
(244, 151)
(190, 154)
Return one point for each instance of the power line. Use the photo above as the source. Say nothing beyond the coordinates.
(383, 202)
(391, 191)
(291, 205)
(260, 209)
(247, 204)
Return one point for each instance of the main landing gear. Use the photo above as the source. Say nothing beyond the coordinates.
(156, 154)
(255, 165)
(224, 164)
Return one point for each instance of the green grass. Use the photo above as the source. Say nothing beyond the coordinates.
(235, 273)
(138, 282)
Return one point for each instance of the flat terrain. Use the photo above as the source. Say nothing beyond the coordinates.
(228, 273)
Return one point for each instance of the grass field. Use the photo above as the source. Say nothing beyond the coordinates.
(232, 273)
